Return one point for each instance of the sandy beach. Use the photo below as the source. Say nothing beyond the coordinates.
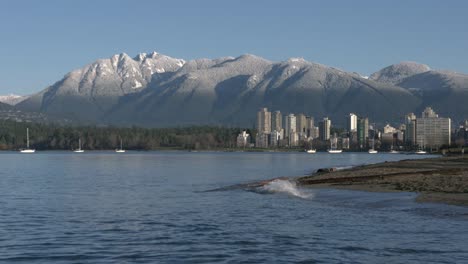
(439, 180)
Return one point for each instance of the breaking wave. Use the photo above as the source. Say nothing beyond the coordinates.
(286, 187)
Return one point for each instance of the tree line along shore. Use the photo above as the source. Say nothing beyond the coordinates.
(65, 137)
(441, 179)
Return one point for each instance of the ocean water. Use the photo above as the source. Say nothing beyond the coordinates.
(160, 207)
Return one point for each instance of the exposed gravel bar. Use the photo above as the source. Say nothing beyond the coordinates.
(442, 179)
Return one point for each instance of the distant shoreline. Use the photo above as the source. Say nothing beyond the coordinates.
(217, 150)
(438, 180)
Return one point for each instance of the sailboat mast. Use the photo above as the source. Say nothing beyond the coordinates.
(121, 144)
(27, 137)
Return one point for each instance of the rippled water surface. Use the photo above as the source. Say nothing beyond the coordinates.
(98, 207)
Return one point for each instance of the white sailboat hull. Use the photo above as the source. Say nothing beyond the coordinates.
(420, 152)
(27, 149)
(334, 151)
(120, 151)
(311, 151)
(78, 151)
(372, 151)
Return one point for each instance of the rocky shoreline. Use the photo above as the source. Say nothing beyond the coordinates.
(440, 180)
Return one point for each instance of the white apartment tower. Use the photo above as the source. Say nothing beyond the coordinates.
(352, 122)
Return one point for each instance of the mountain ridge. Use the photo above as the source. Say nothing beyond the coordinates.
(157, 90)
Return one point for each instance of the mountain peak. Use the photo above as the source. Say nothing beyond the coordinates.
(395, 73)
(144, 55)
(248, 56)
(296, 60)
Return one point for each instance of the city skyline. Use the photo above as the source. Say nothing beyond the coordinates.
(427, 131)
(63, 36)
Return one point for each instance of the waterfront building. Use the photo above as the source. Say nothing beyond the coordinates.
(290, 124)
(262, 140)
(345, 143)
(351, 123)
(263, 128)
(294, 139)
(301, 124)
(310, 127)
(264, 121)
(276, 121)
(410, 132)
(389, 129)
(399, 135)
(429, 113)
(275, 138)
(243, 140)
(324, 127)
(432, 131)
(316, 132)
(388, 138)
(362, 132)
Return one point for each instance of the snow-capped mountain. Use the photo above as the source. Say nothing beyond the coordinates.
(230, 91)
(89, 92)
(157, 90)
(12, 99)
(395, 73)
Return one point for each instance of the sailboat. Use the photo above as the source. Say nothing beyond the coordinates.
(392, 148)
(27, 149)
(311, 150)
(333, 149)
(392, 151)
(121, 150)
(372, 150)
(79, 150)
(421, 151)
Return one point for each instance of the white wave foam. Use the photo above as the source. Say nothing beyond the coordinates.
(344, 167)
(287, 187)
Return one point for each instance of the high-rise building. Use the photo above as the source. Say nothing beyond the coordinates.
(324, 127)
(352, 122)
(276, 121)
(290, 129)
(428, 112)
(409, 117)
(310, 127)
(316, 132)
(290, 124)
(301, 124)
(294, 139)
(432, 131)
(363, 132)
(389, 129)
(275, 138)
(263, 128)
(262, 140)
(410, 130)
(264, 121)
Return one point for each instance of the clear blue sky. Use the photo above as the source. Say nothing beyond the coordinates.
(40, 41)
